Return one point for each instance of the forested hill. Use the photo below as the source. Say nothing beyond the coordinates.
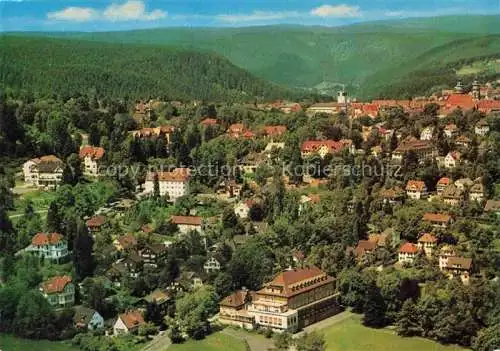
(61, 66)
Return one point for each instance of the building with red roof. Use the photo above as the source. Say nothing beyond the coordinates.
(209, 122)
(59, 291)
(274, 131)
(188, 223)
(321, 147)
(174, 183)
(427, 243)
(92, 159)
(416, 189)
(128, 322)
(50, 246)
(407, 253)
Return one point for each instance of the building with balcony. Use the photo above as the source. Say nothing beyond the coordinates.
(59, 291)
(49, 246)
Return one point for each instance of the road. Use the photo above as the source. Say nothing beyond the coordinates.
(159, 343)
(22, 214)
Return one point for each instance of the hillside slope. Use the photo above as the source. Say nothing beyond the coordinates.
(63, 66)
(317, 56)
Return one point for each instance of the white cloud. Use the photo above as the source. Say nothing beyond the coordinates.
(75, 14)
(336, 11)
(132, 10)
(257, 16)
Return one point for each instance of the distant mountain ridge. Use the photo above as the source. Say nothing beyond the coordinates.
(357, 56)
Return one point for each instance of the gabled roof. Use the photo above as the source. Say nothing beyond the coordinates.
(444, 181)
(427, 238)
(460, 100)
(459, 262)
(93, 152)
(415, 185)
(127, 241)
(452, 191)
(177, 175)
(96, 221)
(237, 299)
(132, 319)
(408, 248)
(187, 220)
(315, 145)
(55, 284)
(296, 281)
(437, 217)
(274, 130)
(392, 193)
(209, 122)
(41, 239)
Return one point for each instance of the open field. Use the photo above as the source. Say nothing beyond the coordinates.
(351, 335)
(11, 343)
(214, 342)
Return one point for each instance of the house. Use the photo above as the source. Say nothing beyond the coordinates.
(407, 253)
(274, 131)
(416, 189)
(445, 253)
(458, 266)
(307, 200)
(96, 223)
(133, 264)
(452, 159)
(188, 223)
(87, 318)
(492, 206)
(293, 300)
(44, 172)
(92, 159)
(242, 208)
(364, 247)
(427, 243)
(128, 322)
(476, 192)
(324, 107)
(438, 220)
(125, 242)
(236, 130)
(382, 239)
(174, 183)
(452, 195)
(59, 291)
(427, 133)
(462, 141)
(321, 147)
(152, 254)
(422, 148)
(450, 130)
(50, 246)
(464, 183)
(164, 131)
(230, 188)
(233, 309)
(392, 196)
(482, 128)
(161, 298)
(207, 122)
(442, 184)
(211, 265)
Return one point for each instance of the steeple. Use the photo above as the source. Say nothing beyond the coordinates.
(476, 90)
(459, 88)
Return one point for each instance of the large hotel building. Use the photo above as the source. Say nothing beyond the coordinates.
(292, 300)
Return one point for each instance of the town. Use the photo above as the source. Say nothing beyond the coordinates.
(202, 229)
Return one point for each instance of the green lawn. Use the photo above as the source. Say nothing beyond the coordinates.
(351, 335)
(10, 343)
(214, 342)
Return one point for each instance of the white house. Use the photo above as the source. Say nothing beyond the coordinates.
(211, 265)
(50, 246)
(87, 318)
(416, 189)
(174, 183)
(476, 192)
(91, 157)
(407, 253)
(427, 243)
(242, 208)
(128, 322)
(450, 130)
(188, 223)
(59, 291)
(427, 133)
(452, 159)
(482, 128)
(44, 172)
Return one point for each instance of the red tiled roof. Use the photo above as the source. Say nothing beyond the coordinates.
(314, 145)
(56, 284)
(436, 217)
(274, 130)
(416, 185)
(427, 238)
(408, 248)
(41, 239)
(236, 299)
(236, 128)
(463, 101)
(132, 319)
(93, 152)
(444, 181)
(177, 175)
(488, 105)
(248, 134)
(96, 221)
(187, 220)
(289, 281)
(209, 122)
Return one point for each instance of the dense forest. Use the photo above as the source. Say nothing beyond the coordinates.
(56, 66)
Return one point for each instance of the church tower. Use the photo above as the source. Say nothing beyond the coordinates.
(342, 97)
(476, 90)
(459, 88)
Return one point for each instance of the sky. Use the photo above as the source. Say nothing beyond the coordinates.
(107, 15)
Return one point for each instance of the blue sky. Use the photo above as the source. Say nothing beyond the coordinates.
(103, 15)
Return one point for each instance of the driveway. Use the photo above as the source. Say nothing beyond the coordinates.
(159, 343)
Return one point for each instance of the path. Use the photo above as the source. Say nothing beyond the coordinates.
(159, 343)
(326, 323)
(255, 341)
(22, 214)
